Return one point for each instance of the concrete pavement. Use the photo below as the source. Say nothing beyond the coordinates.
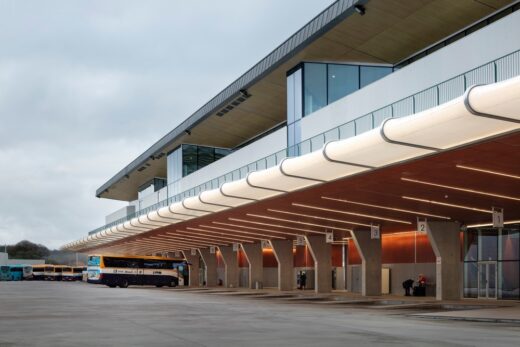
(78, 314)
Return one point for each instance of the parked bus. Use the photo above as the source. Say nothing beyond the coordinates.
(21, 272)
(78, 273)
(67, 273)
(38, 272)
(5, 273)
(123, 271)
(53, 272)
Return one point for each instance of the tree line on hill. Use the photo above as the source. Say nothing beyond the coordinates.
(28, 250)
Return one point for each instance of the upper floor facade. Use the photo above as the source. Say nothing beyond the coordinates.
(318, 95)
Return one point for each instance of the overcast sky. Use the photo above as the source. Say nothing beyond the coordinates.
(87, 86)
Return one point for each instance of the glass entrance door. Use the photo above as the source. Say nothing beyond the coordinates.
(487, 280)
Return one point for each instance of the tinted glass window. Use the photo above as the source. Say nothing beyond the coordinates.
(158, 264)
(509, 247)
(342, 80)
(471, 245)
(371, 74)
(189, 159)
(314, 87)
(206, 155)
(58, 270)
(488, 245)
(16, 269)
(121, 262)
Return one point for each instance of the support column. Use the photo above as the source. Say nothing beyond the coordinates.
(255, 258)
(231, 266)
(193, 268)
(370, 252)
(445, 240)
(283, 251)
(210, 260)
(321, 252)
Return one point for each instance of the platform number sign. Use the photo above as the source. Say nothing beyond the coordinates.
(422, 226)
(193, 251)
(300, 240)
(212, 250)
(329, 237)
(265, 244)
(235, 247)
(375, 232)
(177, 254)
(498, 217)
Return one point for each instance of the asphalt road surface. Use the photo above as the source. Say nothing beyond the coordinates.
(79, 314)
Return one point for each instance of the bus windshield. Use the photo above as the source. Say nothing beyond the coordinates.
(93, 260)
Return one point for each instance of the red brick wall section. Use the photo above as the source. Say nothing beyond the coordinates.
(399, 248)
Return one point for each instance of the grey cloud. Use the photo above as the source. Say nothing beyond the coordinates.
(86, 86)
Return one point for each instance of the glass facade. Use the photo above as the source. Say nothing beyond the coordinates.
(312, 86)
(187, 159)
(492, 263)
(325, 83)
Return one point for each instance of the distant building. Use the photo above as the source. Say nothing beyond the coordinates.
(4, 260)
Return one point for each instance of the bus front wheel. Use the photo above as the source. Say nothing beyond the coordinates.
(172, 284)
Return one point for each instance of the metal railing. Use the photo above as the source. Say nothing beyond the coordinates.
(495, 71)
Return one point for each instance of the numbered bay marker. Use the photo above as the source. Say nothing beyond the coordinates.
(498, 217)
(235, 247)
(422, 226)
(212, 250)
(375, 232)
(329, 237)
(193, 251)
(300, 240)
(265, 244)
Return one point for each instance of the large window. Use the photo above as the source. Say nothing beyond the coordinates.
(121, 262)
(497, 252)
(342, 80)
(187, 159)
(323, 84)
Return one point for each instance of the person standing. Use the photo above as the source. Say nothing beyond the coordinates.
(303, 280)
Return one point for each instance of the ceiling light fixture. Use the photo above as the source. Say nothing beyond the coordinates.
(491, 224)
(318, 217)
(249, 233)
(440, 203)
(297, 222)
(386, 208)
(352, 213)
(488, 171)
(256, 228)
(461, 189)
(360, 9)
(277, 226)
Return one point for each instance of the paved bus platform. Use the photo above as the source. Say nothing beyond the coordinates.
(500, 311)
(79, 314)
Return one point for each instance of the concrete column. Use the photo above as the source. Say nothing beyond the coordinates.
(283, 251)
(231, 266)
(445, 240)
(321, 252)
(193, 268)
(210, 260)
(370, 252)
(255, 257)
